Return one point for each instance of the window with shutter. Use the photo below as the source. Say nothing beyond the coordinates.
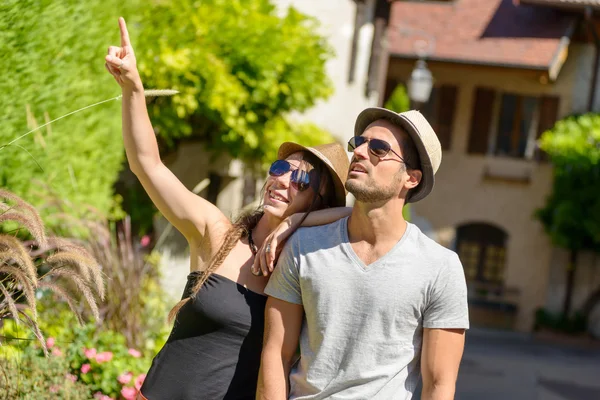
(548, 116)
(521, 119)
(482, 251)
(431, 108)
(445, 114)
(439, 111)
(516, 125)
(481, 119)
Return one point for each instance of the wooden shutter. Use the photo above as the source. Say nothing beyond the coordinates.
(481, 120)
(445, 114)
(547, 118)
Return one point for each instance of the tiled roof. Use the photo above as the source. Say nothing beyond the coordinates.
(493, 32)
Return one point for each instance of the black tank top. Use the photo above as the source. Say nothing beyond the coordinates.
(214, 349)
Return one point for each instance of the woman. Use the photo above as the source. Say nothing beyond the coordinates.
(214, 349)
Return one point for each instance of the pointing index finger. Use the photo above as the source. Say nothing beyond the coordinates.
(124, 34)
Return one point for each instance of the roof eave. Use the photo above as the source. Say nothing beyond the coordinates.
(552, 69)
(412, 56)
(562, 52)
(559, 5)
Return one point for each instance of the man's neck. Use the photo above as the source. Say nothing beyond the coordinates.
(374, 223)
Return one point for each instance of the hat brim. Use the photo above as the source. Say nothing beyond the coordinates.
(370, 115)
(288, 148)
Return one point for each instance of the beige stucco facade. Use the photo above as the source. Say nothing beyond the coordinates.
(464, 193)
(336, 17)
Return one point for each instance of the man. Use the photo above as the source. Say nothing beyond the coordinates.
(370, 297)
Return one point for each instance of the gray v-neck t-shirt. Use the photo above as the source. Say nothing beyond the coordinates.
(362, 329)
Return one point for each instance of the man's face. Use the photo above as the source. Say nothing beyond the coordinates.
(372, 179)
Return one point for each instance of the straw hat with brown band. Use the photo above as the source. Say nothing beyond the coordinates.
(333, 156)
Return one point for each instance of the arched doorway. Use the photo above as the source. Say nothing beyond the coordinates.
(482, 250)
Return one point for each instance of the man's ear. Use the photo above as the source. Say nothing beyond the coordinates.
(414, 178)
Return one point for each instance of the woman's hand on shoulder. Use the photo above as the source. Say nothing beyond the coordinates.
(267, 255)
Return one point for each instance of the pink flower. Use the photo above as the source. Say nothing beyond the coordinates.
(105, 397)
(89, 353)
(54, 388)
(128, 393)
(102, 396)
(57, 352)
(72, 377)
(134, 353)
(139, 380)
(50, 342)
(85, 368)
(145, 241)
(104, 357)
(125, 378)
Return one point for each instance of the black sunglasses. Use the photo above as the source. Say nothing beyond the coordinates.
(379, 148)
(299, 180)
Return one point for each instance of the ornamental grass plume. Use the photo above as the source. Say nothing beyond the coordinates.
(128, 264)
(69, 271)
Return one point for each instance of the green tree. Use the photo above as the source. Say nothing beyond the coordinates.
(240, 67)
(571, 215)
(399, 100)
(53, 64)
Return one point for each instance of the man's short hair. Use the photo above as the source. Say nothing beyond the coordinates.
(410, 152)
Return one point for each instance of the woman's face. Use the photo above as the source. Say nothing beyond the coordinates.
(283, 198)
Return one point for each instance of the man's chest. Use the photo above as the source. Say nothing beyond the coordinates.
(340, 292)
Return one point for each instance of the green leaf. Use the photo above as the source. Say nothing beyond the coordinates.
(571, 215)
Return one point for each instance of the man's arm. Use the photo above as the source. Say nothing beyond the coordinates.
(440, 358)
(283, 321)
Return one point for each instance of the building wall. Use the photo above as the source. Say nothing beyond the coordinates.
(338, 113)
(462, 193)
(583, 77)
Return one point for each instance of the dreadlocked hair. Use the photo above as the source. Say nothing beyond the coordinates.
(244, 224)
(322, 184)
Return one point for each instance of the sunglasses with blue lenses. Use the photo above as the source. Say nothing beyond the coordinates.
(299, 180)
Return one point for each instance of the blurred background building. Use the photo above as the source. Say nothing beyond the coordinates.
(503, 73)
(491, 76)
